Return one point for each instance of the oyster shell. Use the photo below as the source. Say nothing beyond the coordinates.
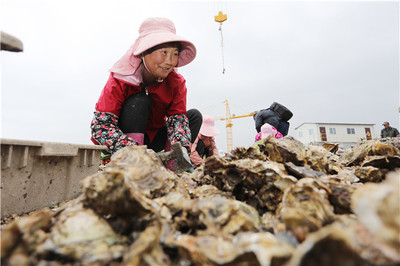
(305, 207)
(320, 159)
(22, 236)
(243, 249)
(378, 208)
(127, 185)
(316, 207)
(147, 249)
(362, 152)
(217, 216)
(345, 242)
(209, 191)
(79, 234)
(249, 153)
(331, 147)
(283, 150)
(259, 184)
(369, 174)
(302, 171)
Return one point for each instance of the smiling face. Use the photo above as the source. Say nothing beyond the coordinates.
(160, 61)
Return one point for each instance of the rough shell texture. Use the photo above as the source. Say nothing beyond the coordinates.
(282, 204)
(345, 242)
(258, 183)
(283, 150)
(362, 153)
(243, 249)
(126, 186)
(78, 234)
(378, 208)
(305, 207)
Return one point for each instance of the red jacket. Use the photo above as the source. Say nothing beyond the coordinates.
(168, 98)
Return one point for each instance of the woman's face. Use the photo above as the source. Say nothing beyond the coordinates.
(162, 60)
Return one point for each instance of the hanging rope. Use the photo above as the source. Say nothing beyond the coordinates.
(222, 48)
(221, 18)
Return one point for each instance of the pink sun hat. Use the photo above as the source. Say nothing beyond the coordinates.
(208, 128)
(268, 130)
(152, 32)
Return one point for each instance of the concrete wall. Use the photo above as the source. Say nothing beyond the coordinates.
(40, 174)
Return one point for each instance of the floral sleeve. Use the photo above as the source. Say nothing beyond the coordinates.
(258, 137)
(106, 132)
(178, 130)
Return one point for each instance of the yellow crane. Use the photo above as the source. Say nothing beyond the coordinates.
(228, 119)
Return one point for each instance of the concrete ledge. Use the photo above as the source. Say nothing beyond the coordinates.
(38, 174)
(10, 43)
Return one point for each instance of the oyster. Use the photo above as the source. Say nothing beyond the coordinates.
(284, 204)
(143, 169)
(283, 150)
(302, 171)
(331, 147)
(147, 249)
(249, 153)
(320, 159)
(369, 174)
(305, 207)
(22, 236)
(259, 184)
(79, 234)
(395, 141)
(127, 185)
(384, 161)
(363, 151)
(217, 216)
(345, 242)
(243, 249)
(340, 197)
(209, 191)
(378, 208)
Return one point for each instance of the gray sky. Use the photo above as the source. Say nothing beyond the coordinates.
(325, 61)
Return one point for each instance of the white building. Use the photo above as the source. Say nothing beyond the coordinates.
(346, 135)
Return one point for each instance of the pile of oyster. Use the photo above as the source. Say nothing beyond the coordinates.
(281, 203)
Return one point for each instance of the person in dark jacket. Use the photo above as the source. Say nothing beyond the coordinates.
(388, 131)
(276, 115)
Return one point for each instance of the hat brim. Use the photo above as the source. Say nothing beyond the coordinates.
(209, 131)
(186, 55)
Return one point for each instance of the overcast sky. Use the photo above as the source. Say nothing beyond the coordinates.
(335, 62)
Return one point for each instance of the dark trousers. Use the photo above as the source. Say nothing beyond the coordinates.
(134, 116)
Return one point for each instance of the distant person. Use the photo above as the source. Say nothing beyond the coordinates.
(388, 131)
(276, 115)
(144, 99)
(268, 130)
(204, 146)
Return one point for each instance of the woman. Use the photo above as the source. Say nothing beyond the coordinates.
(144, 99)
(276, 115)
(204, 145)
(265, 131)
(268, 130)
